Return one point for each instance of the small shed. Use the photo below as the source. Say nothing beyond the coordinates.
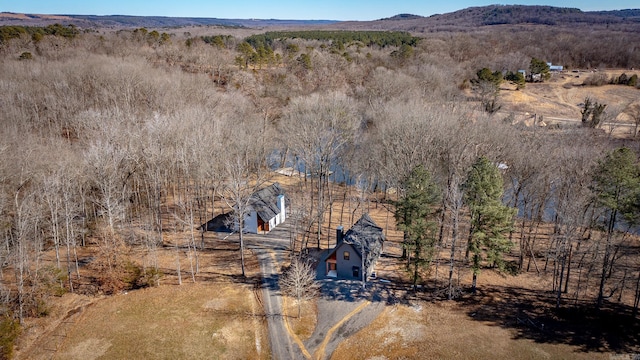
(555, 67)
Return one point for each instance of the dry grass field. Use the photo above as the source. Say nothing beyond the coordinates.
(444, 331)
(218, 316)
(195, 321)
(303, 326)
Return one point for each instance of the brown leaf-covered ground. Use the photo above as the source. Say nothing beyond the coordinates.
(509, 317)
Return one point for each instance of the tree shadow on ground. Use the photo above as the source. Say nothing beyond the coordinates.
(343, 290)
(532, 315)
(389, 292)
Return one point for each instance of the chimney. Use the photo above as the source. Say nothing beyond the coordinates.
(281, 207)
(339, 234)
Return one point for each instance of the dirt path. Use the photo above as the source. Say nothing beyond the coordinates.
(45, 343)
(341, 316)
(321, 350)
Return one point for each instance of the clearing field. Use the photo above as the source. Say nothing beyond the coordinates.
(215, 317)
(444, 331)
(195, 321)
(562, 96)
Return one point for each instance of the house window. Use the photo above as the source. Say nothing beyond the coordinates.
(346, 255)
(332, 266)
(356, 272)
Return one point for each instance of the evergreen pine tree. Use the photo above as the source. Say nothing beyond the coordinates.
(490, 219)
(415, 215)
(616, 189)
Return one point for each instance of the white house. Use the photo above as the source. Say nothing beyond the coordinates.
(267, 209)
(555, 67)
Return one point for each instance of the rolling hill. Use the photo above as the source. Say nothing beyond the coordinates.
(493, 15)
(126, 21)
(468, 18)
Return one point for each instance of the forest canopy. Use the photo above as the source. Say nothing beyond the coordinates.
(13, 32)
(367, 38)
(122, 140)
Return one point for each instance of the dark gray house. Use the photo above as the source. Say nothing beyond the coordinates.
(345, 261)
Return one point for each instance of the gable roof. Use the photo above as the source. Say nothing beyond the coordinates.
(365, 228)
(364, 233)
(265, 201)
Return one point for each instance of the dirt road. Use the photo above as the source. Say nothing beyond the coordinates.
(271, 250)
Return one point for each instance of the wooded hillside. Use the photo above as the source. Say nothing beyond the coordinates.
(118, 140)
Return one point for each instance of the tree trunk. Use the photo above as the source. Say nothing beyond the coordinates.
(559, 291)
(605, 260)
(193, 239)
(330, 215)
(452, 258)
(566, 283)
(532, 258)
(241, 226)
(442, 219)
(636, 299)
(523, 246)
(474, 283)
(344, 200)
(320, 205)
(624, 279)
(469, 240)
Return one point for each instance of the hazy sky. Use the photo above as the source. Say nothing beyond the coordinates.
(285, 9)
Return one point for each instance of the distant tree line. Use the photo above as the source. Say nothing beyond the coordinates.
(152, 37)
(537, 15)
(36, 33)
(600, 79)
(366, 38)
(219, 41)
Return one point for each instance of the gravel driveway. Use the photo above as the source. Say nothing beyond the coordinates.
(339, 299)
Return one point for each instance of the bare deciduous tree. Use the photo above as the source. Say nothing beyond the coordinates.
(318, 130)
(244, 174)
(634, 112)
(298, 281)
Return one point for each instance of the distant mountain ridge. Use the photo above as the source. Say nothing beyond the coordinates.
(526, 14)
(466, 18)
(491, 15)
(404, 17)
(128, 21)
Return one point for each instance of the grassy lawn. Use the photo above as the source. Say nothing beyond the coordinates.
(212, 321)
(302, 327)
(441, 331)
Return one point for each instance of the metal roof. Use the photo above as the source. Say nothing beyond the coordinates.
(366, 233)
(265, 201)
